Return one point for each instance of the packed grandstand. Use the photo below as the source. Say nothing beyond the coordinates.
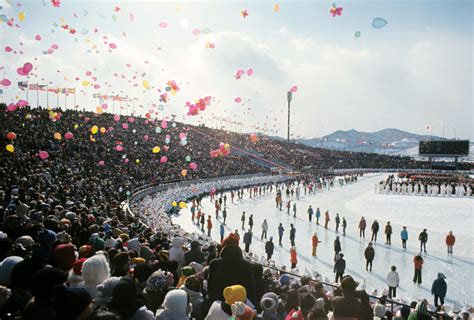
(72, 247)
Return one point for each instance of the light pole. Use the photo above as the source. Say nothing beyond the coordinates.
(289, 96)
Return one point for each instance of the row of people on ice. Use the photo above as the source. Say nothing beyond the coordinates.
(443, 190)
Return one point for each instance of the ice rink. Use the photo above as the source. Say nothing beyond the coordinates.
(438, 215)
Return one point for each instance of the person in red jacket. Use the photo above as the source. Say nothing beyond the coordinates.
(418, 264)
(315, 242)
(209, 226)
(450, 240)
(293, 257)
(362, 225)
(326, 219)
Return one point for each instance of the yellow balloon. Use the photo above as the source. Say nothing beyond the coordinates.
(184, 172)
(102, 130)
(182, 205)
(99, 110)
(137, 161)
(146, 84)
(174, 204)
(57, 136)
(85, 83)
(10, 148)
(76, 126)
(21, 16)
(156, 149)
(94, 129)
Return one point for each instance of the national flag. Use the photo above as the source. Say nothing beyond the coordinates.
(42, 87)
(62, 90)
(71, 90)
(23, 85)
(33, 86)
(54, 90)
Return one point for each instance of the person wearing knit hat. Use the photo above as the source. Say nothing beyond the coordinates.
(44, 281)
(155, 290)
(231, 240)
(379, 311)
(127, 302)
(234, 293)
(98, 244)
(86, 251)
(284, 280)
(176, 306)
(241, 311)
(94, 271)
(185, 272)
(72, 303)
(25, 241)
(121, 264)
(6, 268)
(136, 261)
(348, 305)
(65, 256)
(221, 310)
(269, 302)
(104, 291)
(75, 275)
(192, 286)
(63, 237)
(146, 253)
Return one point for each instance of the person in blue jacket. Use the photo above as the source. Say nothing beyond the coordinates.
(222, 231)
(280, 233)
(318, 215)
(439, 289)
(404, 236)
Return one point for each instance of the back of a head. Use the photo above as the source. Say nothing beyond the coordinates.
(176, 301)
(95, 269)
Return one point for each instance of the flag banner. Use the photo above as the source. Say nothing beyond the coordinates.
(42, 87)
(33, 87)
(96, 96)
(62, 90)
(22, 85)
(55, 90)
(71, 90)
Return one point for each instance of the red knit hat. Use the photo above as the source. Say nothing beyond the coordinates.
(294, 315)
(77, 268)
(231, 240)
(64, 256)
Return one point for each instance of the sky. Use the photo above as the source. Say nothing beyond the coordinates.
(413, 72)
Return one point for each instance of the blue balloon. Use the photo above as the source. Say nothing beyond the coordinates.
(378, 23)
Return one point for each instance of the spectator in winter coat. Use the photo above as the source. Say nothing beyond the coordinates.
(318, 215)
(175, 307)
(450, 240)
(192, 286)
(393, 280)
(221, 309)
(423, 237)
(176, 251)
(269, 246)
(326, 219)
(375, 229)
(388, 233)
(251, 222)
(338, 221)
(344, 226)
(439, 289)
(362, 225)
(337, 247)
(195, 254)
(315, 241)
(404, 237)
(418, 265)
(247, 240)
(230, 269)
(222, 231)
(340, 267)
(348, 306)
(243, 220)
(127, 302)
(421, 311)
(369, 254)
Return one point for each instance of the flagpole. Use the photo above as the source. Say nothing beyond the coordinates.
(47, 96)
(75, 106)
(57, 97)
(27, 87)
(37, 95)
(65, 99)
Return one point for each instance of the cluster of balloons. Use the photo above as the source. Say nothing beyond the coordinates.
(54, 116)
(239, 73)
(335, 10)
(25, 70)
(200, 105)
(181, 204)
(210, 45)
(224, 150)
(172, 87)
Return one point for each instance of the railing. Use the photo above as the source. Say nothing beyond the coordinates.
(141, 192)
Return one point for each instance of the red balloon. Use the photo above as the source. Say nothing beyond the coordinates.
(11, 136)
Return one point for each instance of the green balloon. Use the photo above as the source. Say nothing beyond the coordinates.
(357, 34)
(188, 158)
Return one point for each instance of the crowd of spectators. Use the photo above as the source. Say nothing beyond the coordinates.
(69, 251)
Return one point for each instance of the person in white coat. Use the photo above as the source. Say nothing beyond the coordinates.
(264, 229)
(176, 251)
(393, 280)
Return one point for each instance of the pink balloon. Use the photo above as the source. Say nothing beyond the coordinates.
(8, 49)
(101, 163)
(68, 135)
(213, 190)
(55, 46)
(146, 137)
(37, 37)
(163, 159)
(238, 100)
(126, 160)
(125, 125)
(112, 46)
(193, 166)
(196, 31)
(131, 119)
(50, 51)
(96, 86)
(11, 107)
(182, 135)
(88, 73)
(22, 103)
(249, 72)
(6, 82)
(27, 67)
(116, 118)
(43, 155)
(294, 89)
(118, 148)
(21, 72)
(163, 24)
(164, 124)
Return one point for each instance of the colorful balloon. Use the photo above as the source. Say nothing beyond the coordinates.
(68, 135)
(11, 135)
(43, 155)
(94, 129)
(156, 149)
(182, 204)
(357, 34)
(57, 136)
(193, 166)
(379, 22)
(10, 148)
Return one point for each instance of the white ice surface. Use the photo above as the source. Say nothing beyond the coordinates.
(438, 215)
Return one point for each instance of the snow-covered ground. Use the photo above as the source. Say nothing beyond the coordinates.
(438, 215)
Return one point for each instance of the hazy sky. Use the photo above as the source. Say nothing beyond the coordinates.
(417, 70)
